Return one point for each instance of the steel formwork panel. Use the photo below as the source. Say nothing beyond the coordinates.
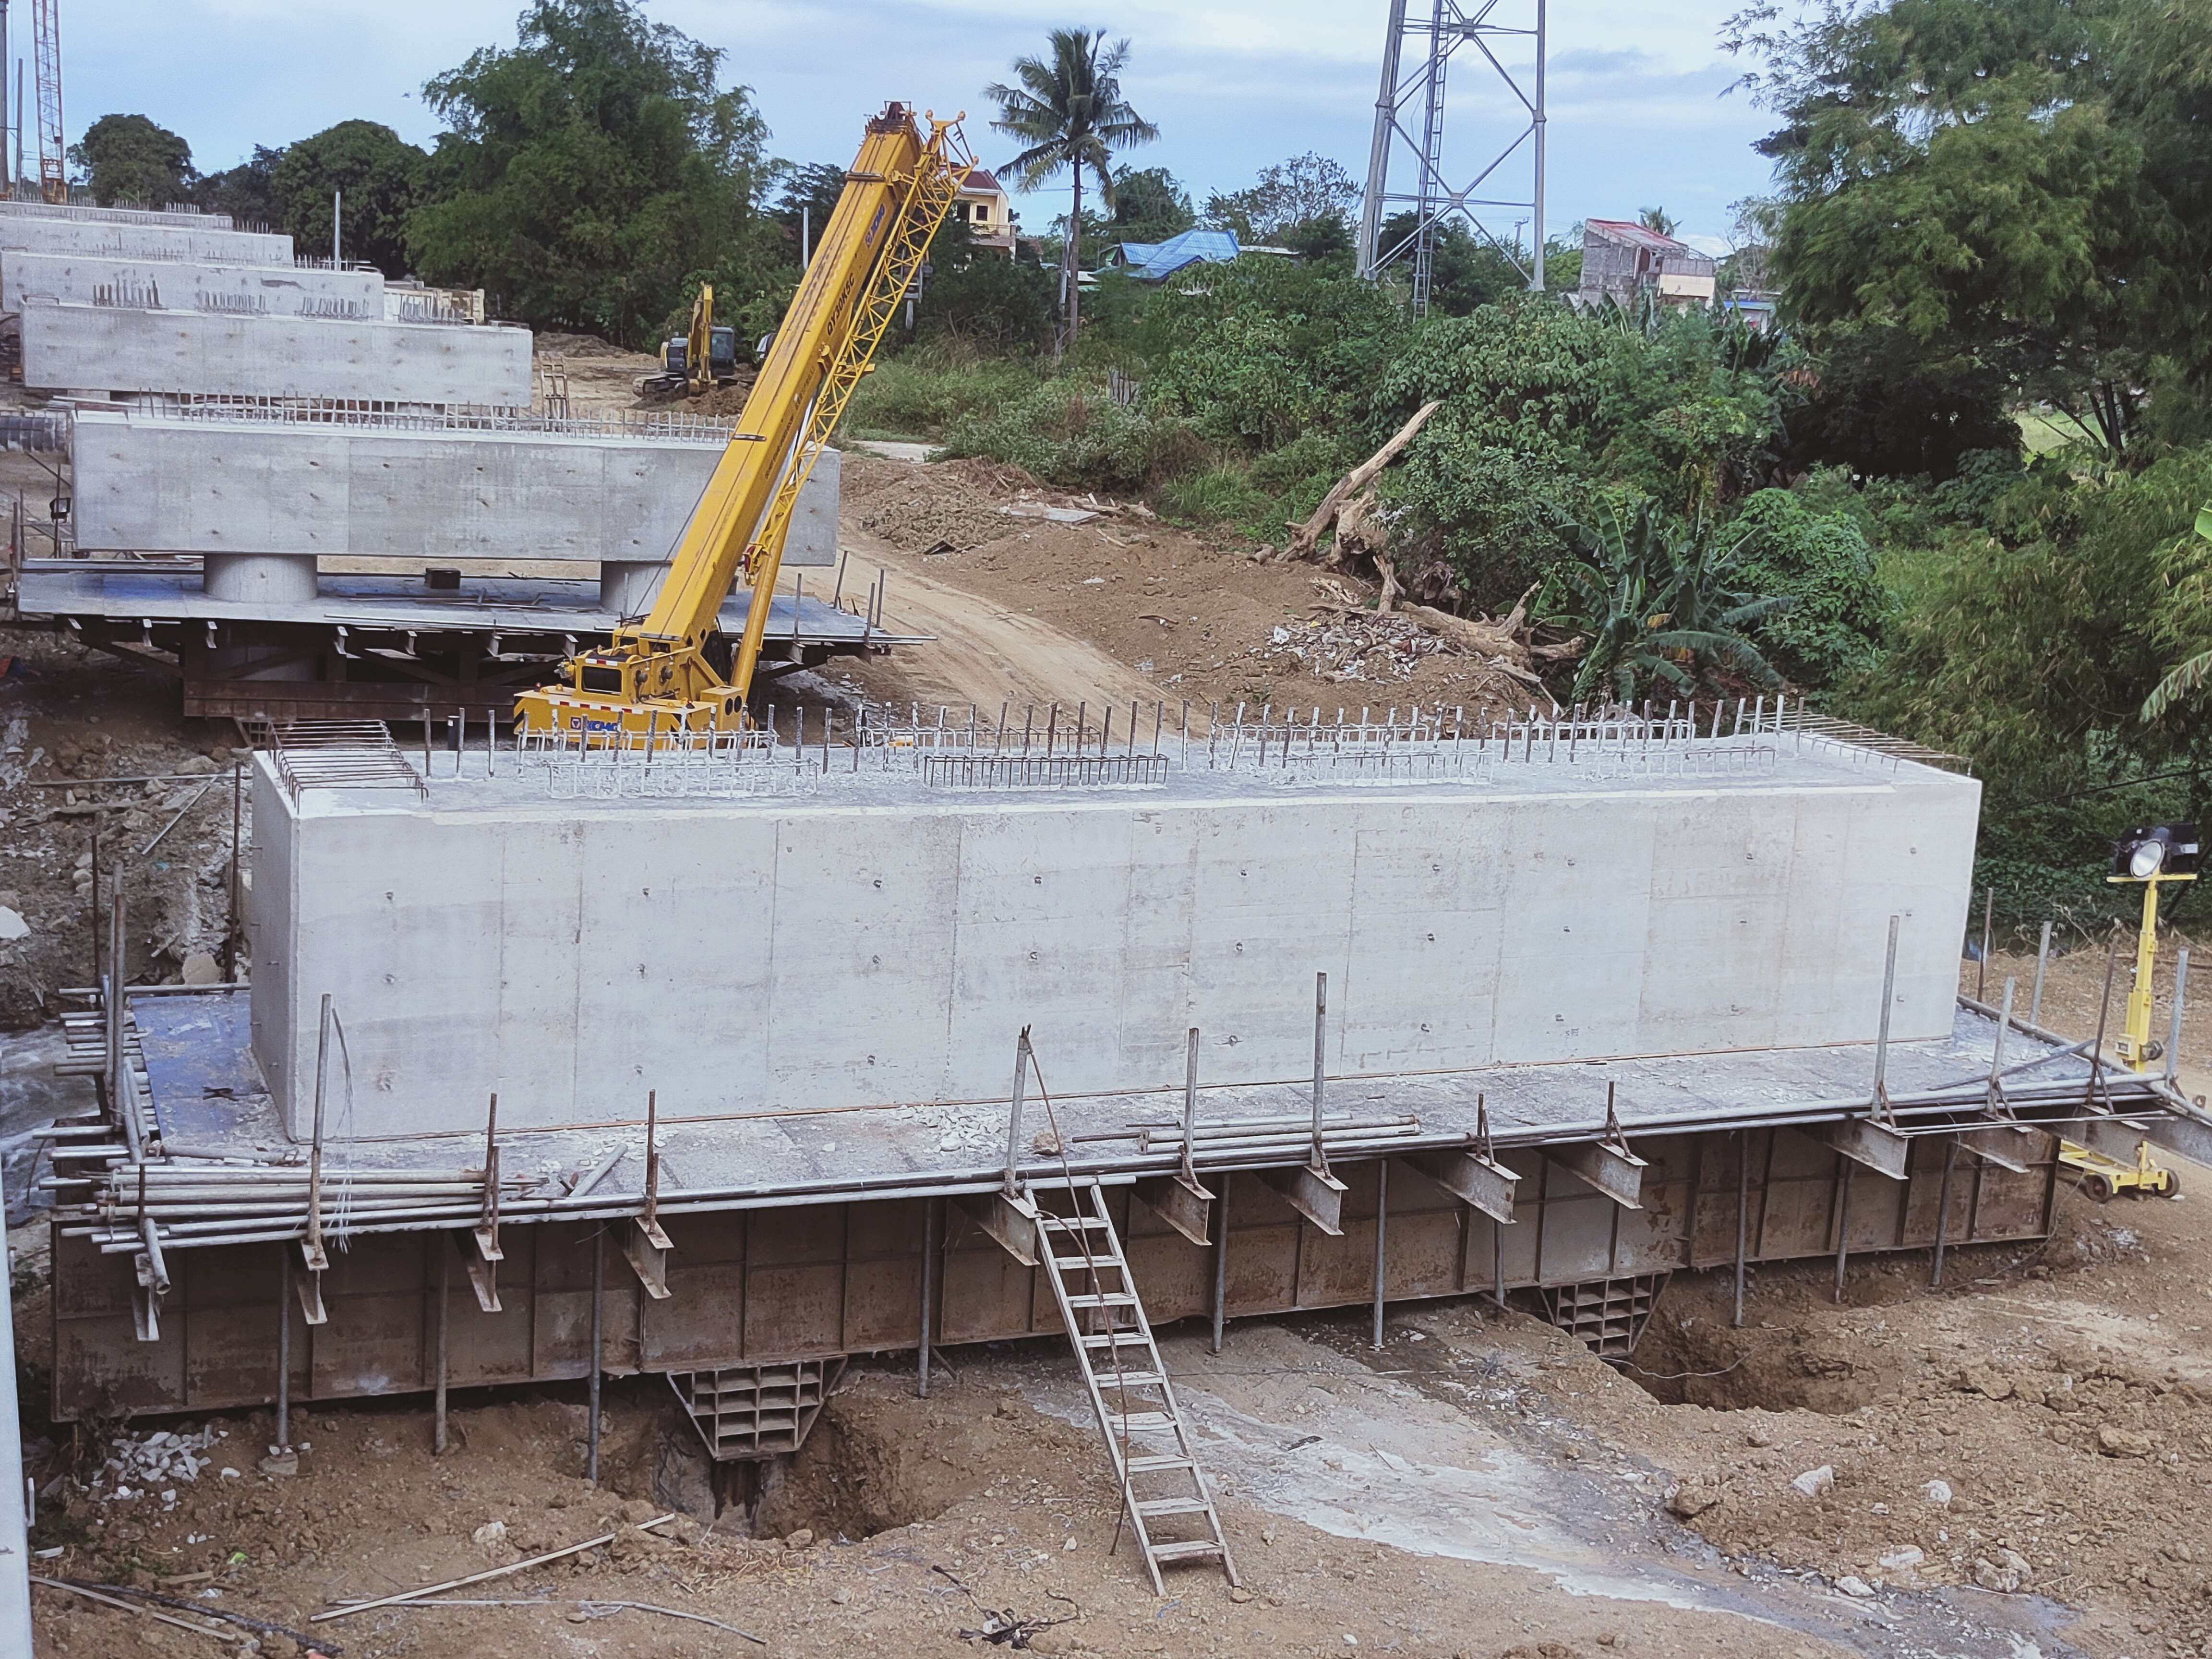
(770, 1286)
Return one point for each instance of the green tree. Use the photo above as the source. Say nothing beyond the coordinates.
(247, 192)
(1290, 197)
(814, 187)
(375, 170)
(1820, 562)
(1069, 114)
(1975, 174)
(1149, 206)
(126, 158)
(592, 174)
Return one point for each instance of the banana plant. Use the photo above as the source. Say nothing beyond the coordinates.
(1658, 601)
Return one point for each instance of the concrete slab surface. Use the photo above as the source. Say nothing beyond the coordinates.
(186, 285)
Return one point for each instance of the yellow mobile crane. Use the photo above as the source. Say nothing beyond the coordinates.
(654, 679)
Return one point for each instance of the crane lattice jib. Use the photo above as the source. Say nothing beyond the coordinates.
(896, 196)
(46, 49)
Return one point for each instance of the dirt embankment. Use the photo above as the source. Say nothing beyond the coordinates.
(1184, 616)
(92, 746)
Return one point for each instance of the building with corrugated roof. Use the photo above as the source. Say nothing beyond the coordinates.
(1626, 259)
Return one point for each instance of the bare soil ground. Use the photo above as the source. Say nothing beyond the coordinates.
(1184, 617)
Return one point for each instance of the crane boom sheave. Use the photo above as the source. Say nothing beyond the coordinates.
(655, 676)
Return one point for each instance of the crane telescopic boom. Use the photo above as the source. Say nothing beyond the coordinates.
(655, 676)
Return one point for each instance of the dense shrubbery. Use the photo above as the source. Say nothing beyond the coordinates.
(1072, 432)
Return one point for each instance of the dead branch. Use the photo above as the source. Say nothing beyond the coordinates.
(1307, 537)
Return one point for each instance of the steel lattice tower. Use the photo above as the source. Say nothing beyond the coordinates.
(1409, 129)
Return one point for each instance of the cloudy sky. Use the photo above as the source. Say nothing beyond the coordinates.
(1637, 117)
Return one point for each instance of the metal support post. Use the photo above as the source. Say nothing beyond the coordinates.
(933, 1232)
(1382, 1225)
(1989, 912)
(1321, 1056)
(283, 1346)
(1843, 1226)
(445, 1306)
(1881, 1038)
(2042, 962)
(1221, 1264)
(2173, 1030)
(599, 1289)
(1014, 1113)
(311, 1249)
(1742, 1212)
(1943, 1213)
(237, 820)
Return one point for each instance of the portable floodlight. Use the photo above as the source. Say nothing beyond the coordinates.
(2150, 853)
(2154, 850)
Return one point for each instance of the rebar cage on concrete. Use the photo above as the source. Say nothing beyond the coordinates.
(1108, 744)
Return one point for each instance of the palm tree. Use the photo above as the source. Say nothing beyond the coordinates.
(1069, 111)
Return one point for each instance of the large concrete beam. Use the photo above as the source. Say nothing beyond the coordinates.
(1863, 1140)
(1614, 1171)
(147, 483)
(118, 349)
(33, 233)
(187, 284)
(1488, 1187)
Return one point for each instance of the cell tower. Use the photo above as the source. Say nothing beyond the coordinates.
(1409, 133)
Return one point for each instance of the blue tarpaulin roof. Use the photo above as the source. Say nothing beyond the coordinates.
(1155, 262)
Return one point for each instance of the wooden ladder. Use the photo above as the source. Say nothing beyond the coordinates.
(1163, 1489)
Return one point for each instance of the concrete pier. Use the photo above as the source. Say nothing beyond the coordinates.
(861, 936)
(147, 482)
(68, 346)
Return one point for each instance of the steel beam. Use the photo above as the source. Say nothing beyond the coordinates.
(1863, 1140)
(1472, 1178)
(1614, 1171)
(2189, 1137)
(1313, 1193)
(1012, 1221)
(2008, 1145)
(1181, 1202)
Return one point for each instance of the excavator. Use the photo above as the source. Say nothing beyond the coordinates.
(658, 679)
(701, 358)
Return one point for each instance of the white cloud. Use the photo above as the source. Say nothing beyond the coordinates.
(1635, 115)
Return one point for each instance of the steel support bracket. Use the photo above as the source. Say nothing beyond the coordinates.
(647, 1249)
(310, 1288)
(145, 1311)
(1010, 1221)
(1483, 1182)
(2008, 1145)
(1611, 1168)
(1179, 1201)
(483, 1276)
(2189, 1137)
(1313, 1192)
(1863, 1140)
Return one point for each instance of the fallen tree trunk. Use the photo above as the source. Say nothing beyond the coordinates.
(1305, 537)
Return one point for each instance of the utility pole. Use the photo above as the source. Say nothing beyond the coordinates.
(1443, 188)
(338, 218)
